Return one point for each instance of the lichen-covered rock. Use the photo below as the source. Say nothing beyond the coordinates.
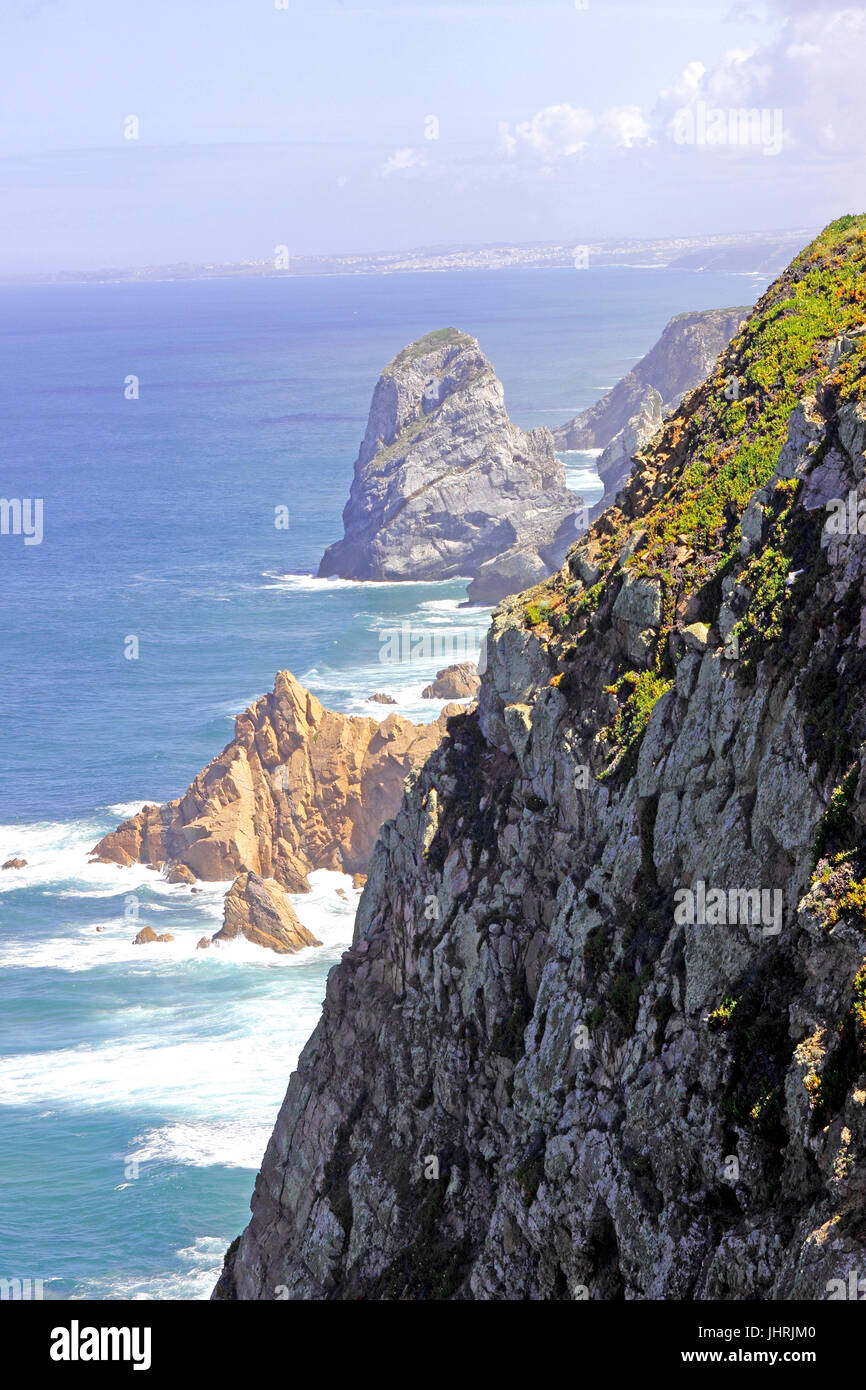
(445, 485)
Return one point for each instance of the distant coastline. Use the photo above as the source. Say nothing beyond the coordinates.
(747, 252)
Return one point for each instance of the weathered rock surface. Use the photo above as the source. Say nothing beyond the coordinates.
(535, 1079)
(259, 909)
(179, 873)
(147, 936)
(298, 788)
(15, 864)
(615, 463)
(682, 357)
(446, 486)
(454, 682)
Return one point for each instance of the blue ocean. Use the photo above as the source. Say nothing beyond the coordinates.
(138, 1086)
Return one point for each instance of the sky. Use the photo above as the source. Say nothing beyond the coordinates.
(212, 131)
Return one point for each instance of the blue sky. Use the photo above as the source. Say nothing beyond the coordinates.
(311, 125)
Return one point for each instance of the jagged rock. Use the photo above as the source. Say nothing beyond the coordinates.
(637, 614)
(695, 636)
(752, 524)
(298, 788)
(147, 936)
(203, 943)
(179, 873)
(454, 682)
(615, 463)
(536, 1077)
(15, 864)
(259, 909)
(380, 699)
(445, 485)
(679, 361)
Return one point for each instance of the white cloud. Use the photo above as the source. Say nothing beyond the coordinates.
(686, 87)
(401, 160)
(811, 73)
(625, 126)
(553, 133)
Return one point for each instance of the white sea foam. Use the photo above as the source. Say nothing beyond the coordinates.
(186, 916)
(57, 852)
(241, 1070)
(124, 810)
(203, 1144)
(202, 1260)
(312, 582)
(191, 1067)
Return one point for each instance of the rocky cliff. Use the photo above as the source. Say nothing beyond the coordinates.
(298, 788)
(602, 1029)
(614, 464)
(681, 359)
(445, 485)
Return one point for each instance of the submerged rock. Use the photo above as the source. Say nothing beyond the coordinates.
(380, 699)
(446, 486)
(15, 864)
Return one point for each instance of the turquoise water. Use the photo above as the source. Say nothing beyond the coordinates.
(138, 1086)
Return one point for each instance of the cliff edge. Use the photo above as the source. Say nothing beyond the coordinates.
(602, 1029)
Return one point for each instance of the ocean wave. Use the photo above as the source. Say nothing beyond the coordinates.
(312, 582)
(203, 1260)
(125, 810)
(202, 1144)
(57, 852)
(187, 917)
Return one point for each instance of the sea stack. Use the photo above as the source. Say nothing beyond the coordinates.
(445, 486)
(298, 788)
(259, 909)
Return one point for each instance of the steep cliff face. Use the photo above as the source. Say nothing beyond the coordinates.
(602, 1029)
(298, 788)
(445, 485)
(679, 361)
(614, 465)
